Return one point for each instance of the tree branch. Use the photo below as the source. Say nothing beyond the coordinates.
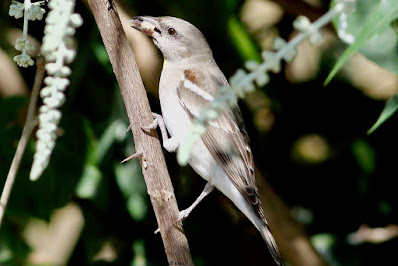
(153, 164)
(30, 124)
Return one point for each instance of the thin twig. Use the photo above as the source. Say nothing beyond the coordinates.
(30, 124)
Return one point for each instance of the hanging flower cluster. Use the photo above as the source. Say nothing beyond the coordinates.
(60, 27)
(30, 11)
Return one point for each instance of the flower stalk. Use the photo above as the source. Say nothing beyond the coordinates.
(243, 82)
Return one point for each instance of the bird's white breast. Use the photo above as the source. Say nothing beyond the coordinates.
(175, 117)
(178, 123)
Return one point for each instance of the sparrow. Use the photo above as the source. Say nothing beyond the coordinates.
(189, 80)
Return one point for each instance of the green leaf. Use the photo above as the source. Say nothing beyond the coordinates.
(374, 19)
(131, 183)
(389, 109)
(102, 56)
(139, 253)
(323, 242)
(364, 156)
(129, 177)
(91, 179)
(137, 207)
(116, 131)
(243, 41)
(89, 182)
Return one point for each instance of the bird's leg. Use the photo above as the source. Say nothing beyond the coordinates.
(170, 144)
(184, 214)
(206, 191)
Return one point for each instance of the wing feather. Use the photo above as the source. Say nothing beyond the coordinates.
(226, 137)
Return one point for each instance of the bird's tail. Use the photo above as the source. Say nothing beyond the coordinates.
(271, 244)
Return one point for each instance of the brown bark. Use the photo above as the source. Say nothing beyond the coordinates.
(154, 168)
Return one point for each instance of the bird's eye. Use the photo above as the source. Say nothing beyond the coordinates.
(171, 31)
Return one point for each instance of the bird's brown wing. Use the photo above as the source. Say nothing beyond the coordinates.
(226, 137)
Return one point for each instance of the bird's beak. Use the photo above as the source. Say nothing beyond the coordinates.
(148, 25)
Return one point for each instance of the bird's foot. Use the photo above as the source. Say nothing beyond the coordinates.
(181, 216)
(170, 144)
(154, 124)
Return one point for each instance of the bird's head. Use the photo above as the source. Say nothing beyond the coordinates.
(177, 39)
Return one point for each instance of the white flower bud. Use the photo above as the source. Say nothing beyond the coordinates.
(278, 43)
(76, 20)
(35, 12)
(251, 65)
(272, 61)
(70, 31)
(262, 78)
(16, 10)
(49, 80)
(65, 71)
(23, 60)
(52, 68)
(61, 83)
(70, 55)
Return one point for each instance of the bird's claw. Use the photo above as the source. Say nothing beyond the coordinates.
(181, 216)
(154, 123)
(151, 126)
(170, 144)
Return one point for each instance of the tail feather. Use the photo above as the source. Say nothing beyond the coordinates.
(271, 244)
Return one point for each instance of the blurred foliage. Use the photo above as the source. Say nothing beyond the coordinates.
(389, 109)
(247, 49)
(368, 28)
(340, 179)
